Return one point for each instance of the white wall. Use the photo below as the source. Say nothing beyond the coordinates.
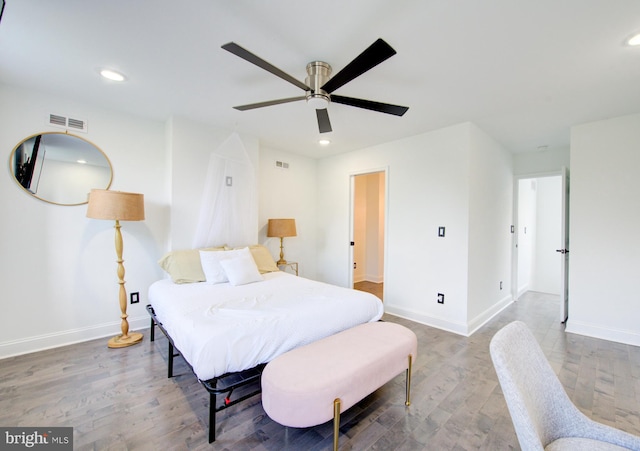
(428, 185)
(490, 219)
(537, 163)
(289, 193)
(59, 270)
(605, 214)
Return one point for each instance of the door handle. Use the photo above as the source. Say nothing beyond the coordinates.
(563, 251)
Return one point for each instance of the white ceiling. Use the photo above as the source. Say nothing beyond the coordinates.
(523, 70)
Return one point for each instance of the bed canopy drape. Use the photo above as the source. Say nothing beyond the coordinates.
(228, 213)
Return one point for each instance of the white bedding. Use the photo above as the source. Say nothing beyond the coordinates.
(224, 328)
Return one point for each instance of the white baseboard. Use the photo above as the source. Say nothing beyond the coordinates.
(367, 278)
(483, 318)
(68, 337)
(375, 278)
(450, 326)
(522, 290)
(438, 323)
(591, 330)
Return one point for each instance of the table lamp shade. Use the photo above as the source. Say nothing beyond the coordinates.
(281, 228)
(115, 205)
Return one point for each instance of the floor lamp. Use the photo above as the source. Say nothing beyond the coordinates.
(118, 206)
(281, 228)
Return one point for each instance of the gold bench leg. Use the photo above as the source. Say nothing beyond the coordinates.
(408, 400)
(336, 423)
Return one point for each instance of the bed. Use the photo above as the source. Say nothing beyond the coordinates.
(227, 328)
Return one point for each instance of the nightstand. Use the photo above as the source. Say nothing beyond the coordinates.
(292, 265)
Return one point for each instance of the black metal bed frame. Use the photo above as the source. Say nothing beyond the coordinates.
(221, 385)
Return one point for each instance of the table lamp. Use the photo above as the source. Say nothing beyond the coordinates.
(281, 228)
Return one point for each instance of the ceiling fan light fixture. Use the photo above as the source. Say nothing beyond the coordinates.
(324, 142)
(318, 101)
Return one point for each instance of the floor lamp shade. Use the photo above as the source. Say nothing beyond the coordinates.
(281, 228)
(115, 205)
(118, 206)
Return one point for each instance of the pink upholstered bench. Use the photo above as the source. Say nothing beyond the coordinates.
(314, 383)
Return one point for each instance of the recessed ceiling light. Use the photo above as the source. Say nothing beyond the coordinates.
(324, 142)
(634, 40)
(112, 75)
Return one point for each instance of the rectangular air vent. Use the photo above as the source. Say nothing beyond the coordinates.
(76, 124)
(58, 120)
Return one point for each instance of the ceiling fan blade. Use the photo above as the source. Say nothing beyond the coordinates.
(248, 56)
(324, 125)
(396, 110)
(253, 106)
(371, 57)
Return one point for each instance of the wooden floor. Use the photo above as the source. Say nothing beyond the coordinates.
(370, 287)
(122, 399)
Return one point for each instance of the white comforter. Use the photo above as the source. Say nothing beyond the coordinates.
(223, 328)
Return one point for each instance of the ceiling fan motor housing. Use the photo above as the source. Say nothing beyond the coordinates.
(318, 74)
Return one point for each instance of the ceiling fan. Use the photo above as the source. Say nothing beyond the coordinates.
(319, 85)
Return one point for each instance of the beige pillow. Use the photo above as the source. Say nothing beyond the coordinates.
(184, 265)
(264, 260)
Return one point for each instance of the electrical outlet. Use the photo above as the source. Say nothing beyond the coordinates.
(134, 297)
(355, 265)
(501, 284)
(440, 298)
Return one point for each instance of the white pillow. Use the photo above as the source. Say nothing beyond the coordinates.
(210, 262)
(241, 270)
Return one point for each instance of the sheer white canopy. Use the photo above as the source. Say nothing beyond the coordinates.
(228, 213)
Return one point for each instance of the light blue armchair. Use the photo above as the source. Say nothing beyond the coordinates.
(543, 415)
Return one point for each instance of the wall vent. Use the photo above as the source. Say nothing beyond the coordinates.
(282, 165)
(58, 120)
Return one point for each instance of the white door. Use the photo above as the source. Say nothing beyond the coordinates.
(564, 248)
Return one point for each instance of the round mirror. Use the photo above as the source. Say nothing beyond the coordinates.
(60, 168)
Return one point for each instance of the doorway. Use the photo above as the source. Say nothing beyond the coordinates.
(541, 237)
(368, 232)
